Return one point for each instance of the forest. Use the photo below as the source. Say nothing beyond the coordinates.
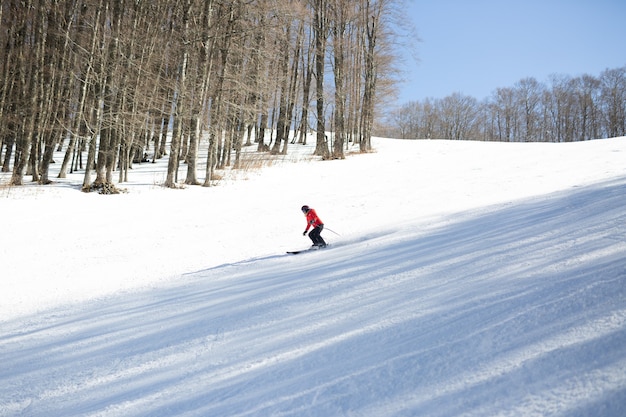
(106, 82)
(565, 109)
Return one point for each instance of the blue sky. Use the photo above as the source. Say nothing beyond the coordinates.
(476, 46)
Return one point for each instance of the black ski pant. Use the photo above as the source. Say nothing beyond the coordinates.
(315, 236)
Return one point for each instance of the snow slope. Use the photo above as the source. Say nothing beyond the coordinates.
(469, 279)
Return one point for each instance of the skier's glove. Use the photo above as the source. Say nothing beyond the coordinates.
(304, 233)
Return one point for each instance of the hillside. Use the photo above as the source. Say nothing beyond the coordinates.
(463, 278)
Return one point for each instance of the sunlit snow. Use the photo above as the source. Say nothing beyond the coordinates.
(463, 279)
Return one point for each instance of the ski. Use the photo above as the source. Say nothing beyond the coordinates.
(295, 252)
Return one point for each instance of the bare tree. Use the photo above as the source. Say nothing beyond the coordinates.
(307, 69)
(372, 13)
(30, 25)
(613, 98)
(111, 77)
(588, 95)
(320, 23)
(529, 92)
(340, 17)
(181, 95)
(84, 70)
(288, 76)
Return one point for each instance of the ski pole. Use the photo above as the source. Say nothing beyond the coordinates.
(331, 230)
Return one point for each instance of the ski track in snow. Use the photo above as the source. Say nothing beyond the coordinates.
(502, 310)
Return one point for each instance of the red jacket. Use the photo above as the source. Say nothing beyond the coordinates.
(312, 220)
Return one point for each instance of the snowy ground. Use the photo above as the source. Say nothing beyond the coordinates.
(469, 279)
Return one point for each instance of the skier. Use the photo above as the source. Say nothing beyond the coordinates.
(312, 220)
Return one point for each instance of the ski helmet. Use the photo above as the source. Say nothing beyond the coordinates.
(305, 208)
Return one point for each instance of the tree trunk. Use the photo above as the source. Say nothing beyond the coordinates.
(339, 29)
(179, 112)
(321, 147)
(30, 91)
(192, 152)
(370, 81)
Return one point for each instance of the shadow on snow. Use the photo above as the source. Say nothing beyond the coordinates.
(503, 310)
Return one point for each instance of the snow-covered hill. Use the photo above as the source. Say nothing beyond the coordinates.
(467, 278)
